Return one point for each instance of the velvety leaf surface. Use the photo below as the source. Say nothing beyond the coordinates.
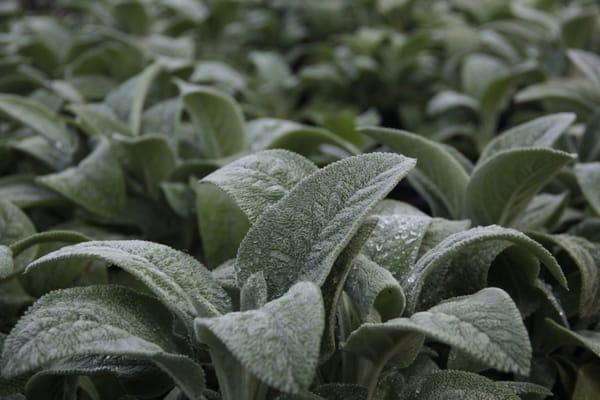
(486, 325)
(540, 132)
(41, 119)
(558, 335)
(272, 133)
(277, 342)
(99, 120)
(258, 181)
(586, 62)
(588, 177)
(457, 384)
(177, 279)
(250, 185)
(96, 320)
(218, 121)
(14, 226)
(395, 242)
(502, 186)
(127, 100)
(444, 174)
(291, 242)
(370, 285)
(586, 256)
(493, 239)
(96, 184)
(150, 157)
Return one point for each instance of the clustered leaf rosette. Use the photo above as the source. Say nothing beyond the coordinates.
(207, 200)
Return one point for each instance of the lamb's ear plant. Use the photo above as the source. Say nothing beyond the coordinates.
(206, 200)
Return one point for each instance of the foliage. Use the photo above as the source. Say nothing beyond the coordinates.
(248, 200)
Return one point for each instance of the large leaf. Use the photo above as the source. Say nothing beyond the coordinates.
(150, 158)
(231, 198)
(476, 242)
(292, 242)
(334, 284)
(10, 386)
(556, 336)
(127, 100)
(258, 181)
(395, 242)
(217, 119)
(371, 286)
(588, 63)
(586, 256)
(456, 384)
(540, 132)
(272, 133)
(486, 325)
(96, 184)
(576, 93)
(99, 120)
(177, 279)
(443, 172)
(41, 119)
(277, 343)
(543, 210)
(14, 226)
(502, 186)
(589, 147)
(22, 191)
(98, 320)
(588, 177)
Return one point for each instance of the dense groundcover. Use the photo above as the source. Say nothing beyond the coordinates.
(300, 200)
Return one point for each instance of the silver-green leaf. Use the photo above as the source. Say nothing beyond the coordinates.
(301, 236)
(98, 320)
(277, 343)
(184, 285)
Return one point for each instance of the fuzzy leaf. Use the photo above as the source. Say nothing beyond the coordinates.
(575, 92)
(588, 177)
(254, 293)
(333, 286)
(543, 210)
(7, 266)
(291, 242)
(277, 343)
(395, 242)
(443, 173)
(371, 286)
(150, 158)
(99, 120)
(586, 62)
(540, 132)
(177, 279)
(486, 325)
(557, 336)
(272, 133)
(258, 181)
(586, 256)
(22, 191)
(41, 119)
(96, 184)
(502, 186)
(217, 119)
(127, 100)
(98, 320)
(457, 384)
(493, 239)
(14, 226)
